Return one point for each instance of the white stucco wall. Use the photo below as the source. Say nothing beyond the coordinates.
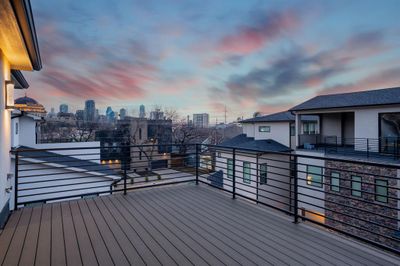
(248, 129)
(331, 125)
(5, 133)
(280, 132)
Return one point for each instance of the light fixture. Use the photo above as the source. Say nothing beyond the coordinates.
(9, 100)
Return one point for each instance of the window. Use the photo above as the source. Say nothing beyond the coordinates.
(16, 128)
(140, 133)
(314, 176)
(264, 129)
(335, 181)
(246, 172)
(292, 130)
(356, 186)
(263, 174)
(229, 163)
(381, 190)
(309, 128)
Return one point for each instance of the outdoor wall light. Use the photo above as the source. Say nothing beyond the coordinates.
(9, 99)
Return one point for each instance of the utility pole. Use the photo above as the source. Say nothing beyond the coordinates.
(225, 113)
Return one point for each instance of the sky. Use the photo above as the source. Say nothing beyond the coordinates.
(200, 56)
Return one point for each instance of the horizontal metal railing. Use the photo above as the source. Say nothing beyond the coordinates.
(359, 199)
(385, 147)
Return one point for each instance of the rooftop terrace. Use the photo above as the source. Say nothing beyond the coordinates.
(179, 224)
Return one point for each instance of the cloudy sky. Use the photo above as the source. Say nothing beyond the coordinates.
(198, 56)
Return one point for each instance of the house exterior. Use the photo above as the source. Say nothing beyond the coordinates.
(18, 51)
(357, 141)
(278, 126)
(46, 170)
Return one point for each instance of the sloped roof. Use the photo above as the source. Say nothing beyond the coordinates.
(65, 160)
(387, 96)
(285, 116)
(243, 142)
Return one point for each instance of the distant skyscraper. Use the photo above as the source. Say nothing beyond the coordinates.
(122, 113)
(142, 111)
(110, 114)
(156, 115)
(63, 108)
(201, 120)
(90, 111)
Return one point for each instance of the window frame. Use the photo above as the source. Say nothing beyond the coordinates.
(335, 188)
(247, 175)
(354, 192)
(312, 183)
(263, 180)
(264, 131)
(386, 197)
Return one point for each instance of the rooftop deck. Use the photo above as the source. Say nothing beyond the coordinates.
(181, 224)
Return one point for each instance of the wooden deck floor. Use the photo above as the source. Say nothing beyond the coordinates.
(183, 224)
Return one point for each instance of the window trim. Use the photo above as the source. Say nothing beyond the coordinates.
(353, 191)
(266, 127)
(386, 197)
(335, 188)
(310, 182)
(246, 179)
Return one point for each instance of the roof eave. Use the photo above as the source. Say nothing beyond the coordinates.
(23, 12)
(19, 79)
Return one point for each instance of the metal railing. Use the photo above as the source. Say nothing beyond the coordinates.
(359, 199)
(385, 147)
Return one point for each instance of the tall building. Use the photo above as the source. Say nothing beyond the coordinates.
(110, 114)
(157, 114)
(201, 120)
(122, 113)
(142, 111)
(90, 111)
(63, 108)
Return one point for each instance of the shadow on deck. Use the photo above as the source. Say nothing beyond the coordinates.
(182, 224)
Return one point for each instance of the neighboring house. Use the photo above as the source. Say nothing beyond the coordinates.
(18, 51)
(259, 174)
(356, 127)
(279, 127)
(56, 170)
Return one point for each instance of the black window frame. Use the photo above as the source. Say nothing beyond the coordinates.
(266, 131)
(385, 186)
(315, 183)
(356, 190)
(335, 188)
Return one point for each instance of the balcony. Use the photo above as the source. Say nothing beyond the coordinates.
(74, 207)
(380, 149)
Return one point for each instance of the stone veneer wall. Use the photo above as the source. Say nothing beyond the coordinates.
(353, 210)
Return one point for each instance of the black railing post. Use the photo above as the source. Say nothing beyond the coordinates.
(197, 163)
(125, 176)
(295, 191)
(234, 174)
(16, 180)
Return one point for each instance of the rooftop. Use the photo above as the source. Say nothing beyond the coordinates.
(182, 224)
(387, 96)
(285, 116)
(243, 142)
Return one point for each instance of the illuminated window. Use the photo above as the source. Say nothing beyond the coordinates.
(314, 176)
(335, 181)
(264, 129)
(246, 173)
(381, 190)
(356, 186)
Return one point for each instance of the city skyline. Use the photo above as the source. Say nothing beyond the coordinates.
(198, 57)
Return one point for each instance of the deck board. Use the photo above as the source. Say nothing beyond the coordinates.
(173, 225)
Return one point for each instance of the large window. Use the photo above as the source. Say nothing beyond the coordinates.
(309, 128)
(229, 163)
(335, 181)
(292, 130)
(246, 172)
(356, 186)
(263, 174)
(264, 129)
(314, 176)
(381, 190)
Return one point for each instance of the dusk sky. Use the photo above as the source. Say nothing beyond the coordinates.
(197, 56)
